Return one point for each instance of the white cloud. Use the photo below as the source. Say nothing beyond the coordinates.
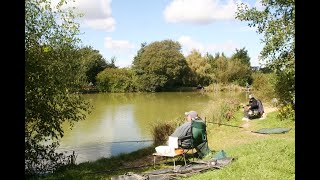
(123, 50)
(107, 24)
(97, 13)
(189, 44)
(117, 46)
(199, 11)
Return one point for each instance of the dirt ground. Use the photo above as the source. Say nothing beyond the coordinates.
(269, 109)
(266, 111)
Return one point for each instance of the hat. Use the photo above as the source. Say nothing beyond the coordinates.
(250, 96)
(193, 114)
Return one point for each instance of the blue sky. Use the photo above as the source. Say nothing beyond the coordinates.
(116, 28)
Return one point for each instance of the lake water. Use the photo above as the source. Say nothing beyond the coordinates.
(120, 122)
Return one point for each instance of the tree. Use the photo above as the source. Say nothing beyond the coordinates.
(93, 63)
(242, 55)
(277, 23)
(159, 65)
(199, 68)
(227, 70)
(53, 75)
(238, 72)
(219, 68)
(115, 80)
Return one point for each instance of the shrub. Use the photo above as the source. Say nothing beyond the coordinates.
(160, 132)
(286, 112)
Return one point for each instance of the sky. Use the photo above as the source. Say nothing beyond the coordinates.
(117, 28)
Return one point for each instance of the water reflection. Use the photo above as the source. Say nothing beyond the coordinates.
(119, 117)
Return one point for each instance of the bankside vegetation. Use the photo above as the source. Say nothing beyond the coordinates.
(58, 67)
(53, 75)
(257, 156)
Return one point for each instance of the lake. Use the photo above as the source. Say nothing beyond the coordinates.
(120, 122)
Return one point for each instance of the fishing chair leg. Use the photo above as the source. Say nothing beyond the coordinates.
(182, 157)
(192, 154)
(185, 156)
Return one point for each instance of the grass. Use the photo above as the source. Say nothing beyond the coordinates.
(257, 156)
(261, 159)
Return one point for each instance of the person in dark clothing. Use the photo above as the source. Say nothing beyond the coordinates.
(185, 129)
(192, 134)
(251, 108)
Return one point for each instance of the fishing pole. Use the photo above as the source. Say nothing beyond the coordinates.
(225, 124)
(130, 141)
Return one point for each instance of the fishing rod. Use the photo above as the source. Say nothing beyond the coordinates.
(225, 124)
(130, 141)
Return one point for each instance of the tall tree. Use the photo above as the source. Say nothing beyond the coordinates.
(160, 65)
(93, 63)
(219, 68)
(53, 74)
(242, 55)
(200, 68)
(277, 24)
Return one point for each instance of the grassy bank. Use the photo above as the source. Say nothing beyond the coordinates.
(257, 156)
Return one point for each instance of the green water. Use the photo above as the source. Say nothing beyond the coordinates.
(120, 118)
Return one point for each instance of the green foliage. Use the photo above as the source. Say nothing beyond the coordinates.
(53, 76)
(225, 111)
(161, 131)
(285, 87)
(238, 72)
(219, 70)
(286, 112)
(150, 82)
(264, 84)
(277, 23)
(200, 68)
(159, 65)
(242, 55)
(115, 80)
(214, 87)
(230, 71)
(93, 63)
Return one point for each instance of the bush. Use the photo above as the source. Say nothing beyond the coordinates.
(286, 112)
(225, 110)
(264, 85)
(160, 132)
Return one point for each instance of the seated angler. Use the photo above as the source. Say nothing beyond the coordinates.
(254, 109)
(184, 130)
(192, 135)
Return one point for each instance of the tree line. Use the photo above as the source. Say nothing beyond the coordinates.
(160, 66)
